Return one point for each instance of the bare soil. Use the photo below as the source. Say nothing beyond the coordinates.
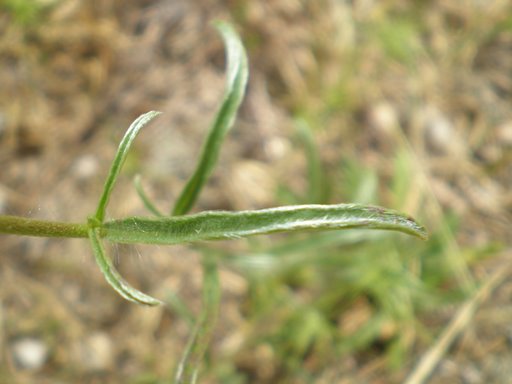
(76, 75)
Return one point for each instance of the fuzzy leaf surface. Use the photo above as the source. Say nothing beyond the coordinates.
(222, 225)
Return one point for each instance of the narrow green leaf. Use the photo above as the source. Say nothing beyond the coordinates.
(145, 198)
(318, 189)
(236, 80)
(180, 308)
(221, 225)
(113, 277)
(119, 159)
(188, 368)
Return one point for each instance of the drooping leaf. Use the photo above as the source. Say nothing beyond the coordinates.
(119, 159)
(222, 225)
(236, 80)
(113, 277)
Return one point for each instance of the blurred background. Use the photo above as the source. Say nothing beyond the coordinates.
(405, 104)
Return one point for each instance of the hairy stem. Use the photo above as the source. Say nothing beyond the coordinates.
(22, 226)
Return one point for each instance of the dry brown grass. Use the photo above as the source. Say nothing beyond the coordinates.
(432, 76)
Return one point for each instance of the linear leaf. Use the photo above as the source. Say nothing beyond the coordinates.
(145, 198)
(113, 277)
(318, 189)
(119, 159)
(236, 80)
(219, 225)
(188, 368)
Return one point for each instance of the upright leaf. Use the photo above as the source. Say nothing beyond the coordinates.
(236, 80)
(188, 368)
(119, 159)
(318, 188)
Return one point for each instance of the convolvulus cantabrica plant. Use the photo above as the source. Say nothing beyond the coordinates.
(178, 227)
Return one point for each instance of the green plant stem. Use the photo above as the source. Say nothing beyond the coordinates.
(22, 226)
(188, 369)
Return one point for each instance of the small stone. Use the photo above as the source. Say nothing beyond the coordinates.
(29, 353)
(471, 375)
(96, 352)
(383, 117)
(276, 148)
(440, 135)
(448, 368)
(504, 133)
(85, 167)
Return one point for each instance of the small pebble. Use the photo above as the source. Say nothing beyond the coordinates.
(439, 132)
(504, 133)
(277, 147)
(383, 117)
(471, 375)
(96, 352)
(447, 368)
(29, 353)
(85, 167)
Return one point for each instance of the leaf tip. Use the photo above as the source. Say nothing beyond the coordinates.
(417, 229)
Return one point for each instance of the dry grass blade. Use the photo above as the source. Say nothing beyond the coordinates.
(431, 358)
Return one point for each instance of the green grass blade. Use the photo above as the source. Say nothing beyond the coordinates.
(236, 80)
(318, 189)
(145, 198)
(222, 225)
(113, 277)
(180, 308)
(188, 369)
(119, 159)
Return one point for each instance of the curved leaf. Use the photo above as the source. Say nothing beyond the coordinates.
(221, 225)
(119, 159)
(113, 277)
(236, 80)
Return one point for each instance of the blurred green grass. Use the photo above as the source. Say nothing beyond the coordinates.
(321, 297)
(315, 300)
